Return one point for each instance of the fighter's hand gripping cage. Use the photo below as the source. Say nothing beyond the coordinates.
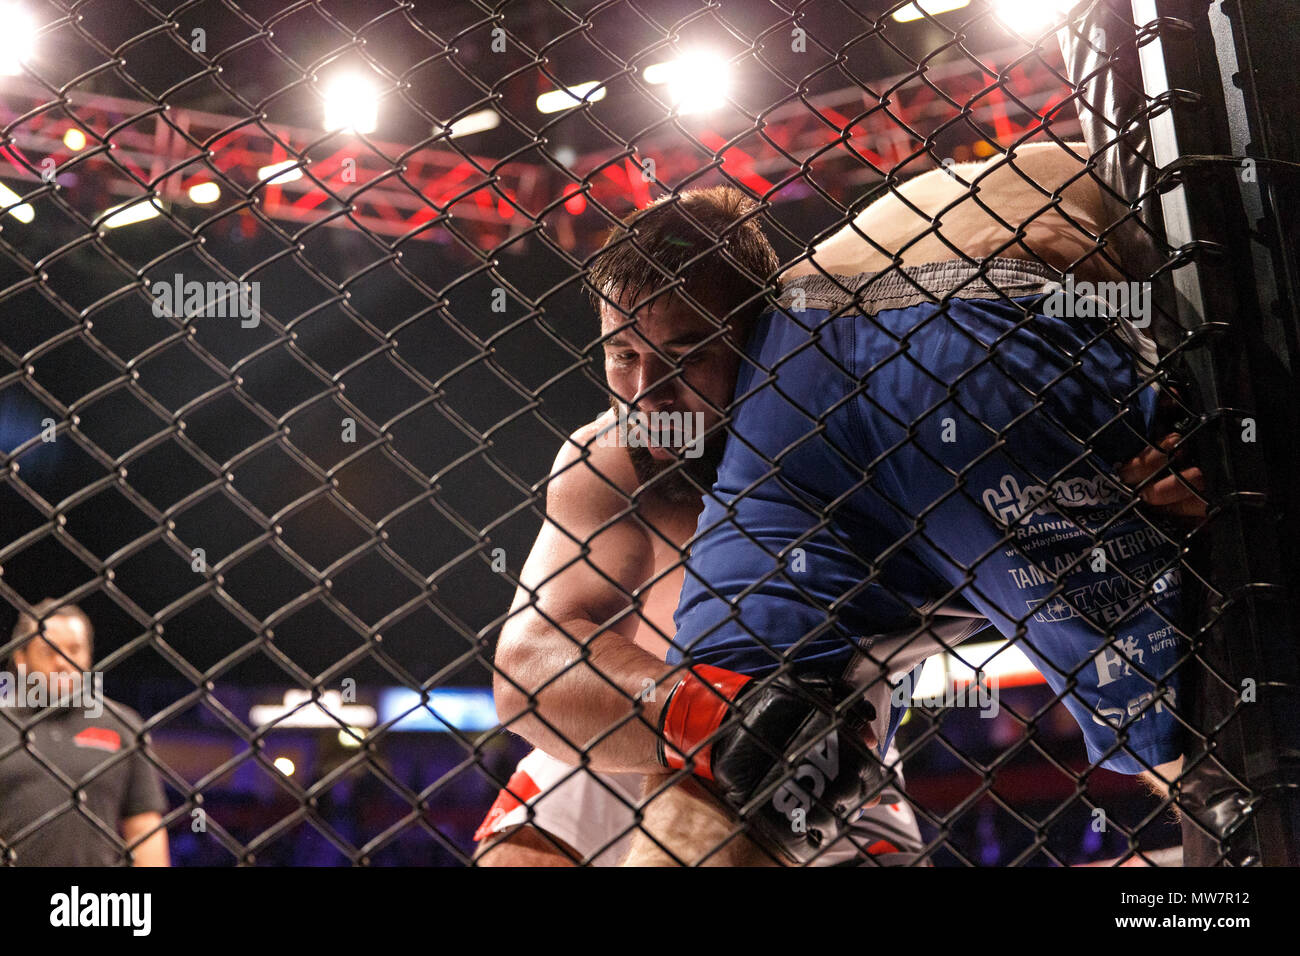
(278, 403)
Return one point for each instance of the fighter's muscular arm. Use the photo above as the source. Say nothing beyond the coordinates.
(567, 667)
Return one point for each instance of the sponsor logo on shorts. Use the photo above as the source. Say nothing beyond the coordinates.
(1139, 708)
(1110, 599)
(1165, 637)
(1009, 502)
(1092, 556)
(1053, 612)
(1116, 660)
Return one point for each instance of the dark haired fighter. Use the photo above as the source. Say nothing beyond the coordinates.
(569, 678)
(622, 504)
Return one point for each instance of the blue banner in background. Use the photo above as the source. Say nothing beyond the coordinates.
(449, 708)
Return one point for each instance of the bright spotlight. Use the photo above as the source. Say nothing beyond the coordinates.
(478, 122)
(914, 11)
(569, 97)
(278, 174)
(22, 212)
(697, 82)
(129, 213)
(74, 139)
(17, 39)
(352, 103)
(285, 766)
(204, 193)
(1031, 17)
(657, 73)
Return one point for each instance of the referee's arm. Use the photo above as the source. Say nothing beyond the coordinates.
(149, 827)
(143, 805)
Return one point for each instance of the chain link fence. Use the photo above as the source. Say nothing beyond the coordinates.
(282, 399)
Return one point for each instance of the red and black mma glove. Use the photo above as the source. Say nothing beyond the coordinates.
(776, 752)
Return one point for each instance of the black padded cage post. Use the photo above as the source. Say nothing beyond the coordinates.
(1219, 77)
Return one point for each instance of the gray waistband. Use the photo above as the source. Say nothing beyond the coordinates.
(899, 288)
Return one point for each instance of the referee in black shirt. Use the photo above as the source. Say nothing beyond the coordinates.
(75, 786)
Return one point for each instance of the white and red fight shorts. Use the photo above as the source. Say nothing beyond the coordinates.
(595, 814)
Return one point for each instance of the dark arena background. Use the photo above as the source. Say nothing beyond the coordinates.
(294, 320)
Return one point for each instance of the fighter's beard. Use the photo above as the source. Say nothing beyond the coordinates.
(681, 482)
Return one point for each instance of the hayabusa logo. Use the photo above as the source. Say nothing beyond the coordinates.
(1009, 502)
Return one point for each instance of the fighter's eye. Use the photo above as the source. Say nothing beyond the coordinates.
(620, 358)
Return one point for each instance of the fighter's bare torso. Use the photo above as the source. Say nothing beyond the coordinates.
(666, 527)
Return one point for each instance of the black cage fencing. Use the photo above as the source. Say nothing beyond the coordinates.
(836, 433)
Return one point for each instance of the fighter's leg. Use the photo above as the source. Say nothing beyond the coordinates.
(525, 846)
(1001, 425)
(684, 825)
(554, 814)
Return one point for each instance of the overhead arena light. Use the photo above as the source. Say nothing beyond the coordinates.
(132, 212)
(74, 139)
(22, 212)
(278, 174)
(1031, 16)
(352, 103)
(17, 40)
(479, 122)
(914, 11)
(697, 82)
(204, 193)
(569, 97)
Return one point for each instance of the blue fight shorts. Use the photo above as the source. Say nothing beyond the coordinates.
(916, 454)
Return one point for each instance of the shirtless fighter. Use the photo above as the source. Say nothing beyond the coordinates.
(569, 669)
(635, 513)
